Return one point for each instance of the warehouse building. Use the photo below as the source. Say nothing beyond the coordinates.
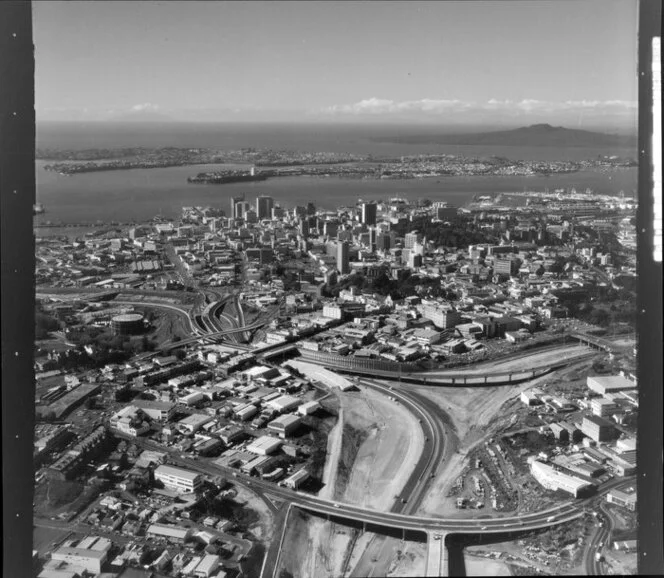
(603, 384)
(172, 533)
(81, 558)
(284, 425)
(284, 403)
(553, 479)
(192, 423)
(264, 445)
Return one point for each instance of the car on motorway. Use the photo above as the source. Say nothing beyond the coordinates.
(436, 536)
(483, 528)
(550, 518)
(337, 506)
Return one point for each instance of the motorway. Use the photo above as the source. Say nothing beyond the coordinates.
(601, 537)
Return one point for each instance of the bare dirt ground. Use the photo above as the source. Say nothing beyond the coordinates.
(411, 561)
(470, 411)
(527, 360)
(263, 529)
(307, 548)
(382, 465)
(476, 566)
(389, 453)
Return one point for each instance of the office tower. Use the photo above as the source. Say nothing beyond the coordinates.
(240, 209)
(330, 228)
(414, 260)
(342, 258)
(250, 216)
(300, 211)
(506, 266)
(383, 242)
(304, 227)
(311, 209)
(369, 214)
(373, 234)
(411, 239)
(264, 206)
(277, 213)
(234, 202)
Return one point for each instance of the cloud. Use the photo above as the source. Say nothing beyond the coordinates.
(428, 107)
(146, 107)
(385, 106)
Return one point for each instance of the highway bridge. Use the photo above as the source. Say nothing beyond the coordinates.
(211, 336)
(454, 379)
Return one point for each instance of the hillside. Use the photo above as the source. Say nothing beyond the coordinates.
(537, 135)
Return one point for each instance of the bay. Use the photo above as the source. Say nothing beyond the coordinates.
(140, 194)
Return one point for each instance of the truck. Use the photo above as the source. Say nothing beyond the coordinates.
(598, 557)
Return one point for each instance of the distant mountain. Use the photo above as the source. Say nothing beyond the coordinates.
(537, 135)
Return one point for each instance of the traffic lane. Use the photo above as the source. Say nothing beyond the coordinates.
(330, 507)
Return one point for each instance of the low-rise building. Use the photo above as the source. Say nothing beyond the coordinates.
(284, 425)
(296, 480)
(264, 446)
(625, 498)
(178, 479)
(552, 479)
(606, 383)
(81, 558)
(603, 407)
(597, 428)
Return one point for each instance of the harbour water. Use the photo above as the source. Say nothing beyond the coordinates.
(140, 194)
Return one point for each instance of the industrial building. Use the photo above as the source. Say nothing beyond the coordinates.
(178, 479)
(264, 446)
(130, 420)
(128, 324)
(296, 480)
(173, 533)
(284, 425)
(157, 410)
(597, 428)
(553, 479)
(625, 498)
(603, 384)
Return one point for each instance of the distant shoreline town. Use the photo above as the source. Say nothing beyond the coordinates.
(266, 163)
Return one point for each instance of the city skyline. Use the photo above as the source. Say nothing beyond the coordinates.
(444, 63)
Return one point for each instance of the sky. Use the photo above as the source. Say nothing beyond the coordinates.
(569, 62)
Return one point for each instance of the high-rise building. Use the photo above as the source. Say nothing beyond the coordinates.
(383, 242)
(373, 234)
(342, 258)
(369, 214)
(304, 227)
(506, 266)
(412, 239)
(241, 208)
(234, 202)
(311, 209)
(264, 206)
(330, 228)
